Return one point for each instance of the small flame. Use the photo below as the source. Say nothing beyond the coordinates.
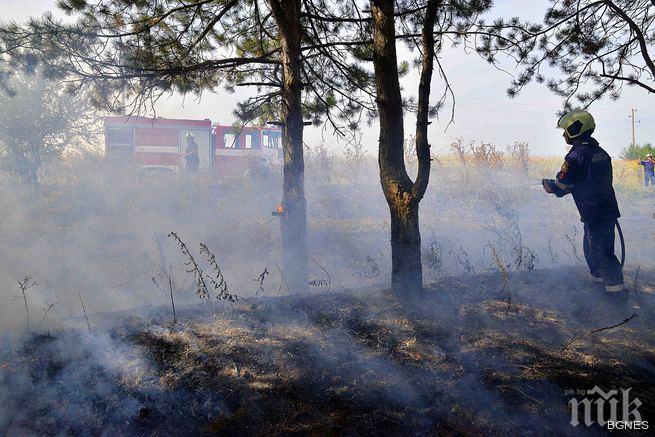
(280, 209)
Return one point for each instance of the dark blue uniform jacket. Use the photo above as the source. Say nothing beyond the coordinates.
(649, 166)
(587, 175)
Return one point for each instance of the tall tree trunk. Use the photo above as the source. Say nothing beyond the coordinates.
(402, 195)
(422, 115)
(406, 273)
(33, 182)
(294, 219)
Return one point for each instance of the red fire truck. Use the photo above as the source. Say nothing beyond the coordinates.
(156, 144)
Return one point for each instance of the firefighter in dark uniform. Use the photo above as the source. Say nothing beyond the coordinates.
(649, 170)
(191, 153)
(587, 175)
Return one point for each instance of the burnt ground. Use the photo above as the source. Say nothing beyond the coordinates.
(471, 358)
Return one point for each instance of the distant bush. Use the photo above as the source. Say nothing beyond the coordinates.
(636, 151)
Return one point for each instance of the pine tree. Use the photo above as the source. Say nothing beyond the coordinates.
(597, 47)
(309, 59)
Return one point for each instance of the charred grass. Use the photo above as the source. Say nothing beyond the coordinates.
(455, 363)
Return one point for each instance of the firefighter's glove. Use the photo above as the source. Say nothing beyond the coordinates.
(548, 185)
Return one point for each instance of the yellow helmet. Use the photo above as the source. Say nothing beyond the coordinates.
(576, 123)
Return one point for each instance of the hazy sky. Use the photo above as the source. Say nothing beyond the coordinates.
(483, 112)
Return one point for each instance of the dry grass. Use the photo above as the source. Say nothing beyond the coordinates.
(461, 362)
(458, 364)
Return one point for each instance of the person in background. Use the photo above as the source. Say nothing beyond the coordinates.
(191, 153)
(586, 174)
(649, 170)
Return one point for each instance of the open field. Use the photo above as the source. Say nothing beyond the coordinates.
(482, 353)
(342, 363)
(327, 218)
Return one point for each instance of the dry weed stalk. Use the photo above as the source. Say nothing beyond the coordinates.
(192, 267)
(465, 260)
(46, 310)
(354, 155)
(127, 281)
(284, 279)
(366, 268)
(25, 284)
(551, 252)
(165, 273)
(574, 247)
(504, 273)
(409, 152)
(486, 156)
(217, 281)
(88, 325)
(461, 154)
(635, 284)
(260, 280)
(170, 289)
(322, 282)
(433, 258)
(320, 160)
(519, 153)
(510, 234)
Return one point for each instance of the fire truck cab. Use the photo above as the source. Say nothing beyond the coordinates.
(156, 145)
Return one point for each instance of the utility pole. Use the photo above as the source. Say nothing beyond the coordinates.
(634, 142)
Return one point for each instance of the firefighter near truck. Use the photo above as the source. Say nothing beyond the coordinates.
(173, 146)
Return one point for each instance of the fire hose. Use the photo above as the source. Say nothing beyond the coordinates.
(618, 228)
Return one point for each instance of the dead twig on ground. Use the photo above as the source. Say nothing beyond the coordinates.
(597, 330)
(521, 392)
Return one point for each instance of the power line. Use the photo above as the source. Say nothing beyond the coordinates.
(554, 108)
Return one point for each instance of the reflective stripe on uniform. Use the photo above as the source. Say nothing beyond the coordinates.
(562, 186)
(614, 288)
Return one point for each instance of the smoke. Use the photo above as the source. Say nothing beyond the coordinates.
(99, 234)
(82, 384)
(100, 231)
